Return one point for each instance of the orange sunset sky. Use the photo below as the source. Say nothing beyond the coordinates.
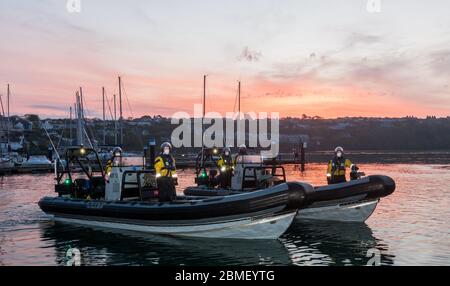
(325, 58)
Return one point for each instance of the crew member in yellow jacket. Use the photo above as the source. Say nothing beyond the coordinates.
(337, 167)
(166, 175)
(226, 166)
(116, 160)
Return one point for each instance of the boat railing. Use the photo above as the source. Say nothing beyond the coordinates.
(143, 191)
(250, 174)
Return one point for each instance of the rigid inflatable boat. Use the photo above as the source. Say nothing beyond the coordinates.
(352, 201)
(127, 199)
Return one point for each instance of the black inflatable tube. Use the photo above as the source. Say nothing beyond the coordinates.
(282, 197)
(376, 186)
(373, 187)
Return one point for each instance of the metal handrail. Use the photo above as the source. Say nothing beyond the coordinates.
(138, 177)
(263, 167)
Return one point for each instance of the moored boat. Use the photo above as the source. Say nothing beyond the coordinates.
(6, 164)
(353, 201)
(36, 164)
(127, 199)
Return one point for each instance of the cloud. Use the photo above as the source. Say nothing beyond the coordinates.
(49, 107)
(249, 55)
(359, 38)
(310, 67)
(440, 62)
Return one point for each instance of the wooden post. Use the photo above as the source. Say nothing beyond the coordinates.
(302, 156)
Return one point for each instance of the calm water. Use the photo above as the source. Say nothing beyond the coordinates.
(411, 227)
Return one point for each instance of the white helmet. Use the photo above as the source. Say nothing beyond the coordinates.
(339, 149)
(117, 152)
(166, 145)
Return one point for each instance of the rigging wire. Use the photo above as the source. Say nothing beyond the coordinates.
(127, 100)
(110, 102)
(132, 115)
(85, 107)
(3, 111)
(62, 135)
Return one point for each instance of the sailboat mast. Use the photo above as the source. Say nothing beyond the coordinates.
(121, 111)
(239, 98)
(203, 117)
(80, 135)
(81, 103)
(115, 121)
(70, 124)
(204, 97)
(104, 117)
(2, 111)
(7, 108)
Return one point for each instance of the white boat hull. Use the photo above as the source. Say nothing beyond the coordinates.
(345, 212)
(271, 227)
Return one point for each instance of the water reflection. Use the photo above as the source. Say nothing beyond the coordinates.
(306, 243)
(109, 247)
(333, 243)
(411, 227)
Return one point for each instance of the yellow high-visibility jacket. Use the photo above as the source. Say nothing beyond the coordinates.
(226, 162)
(338, 167)
(108, 167)
(165, 166)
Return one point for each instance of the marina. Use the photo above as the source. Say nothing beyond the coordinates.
(401, 228)
(245, 137)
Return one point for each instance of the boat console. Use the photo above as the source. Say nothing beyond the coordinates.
(83, 176)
